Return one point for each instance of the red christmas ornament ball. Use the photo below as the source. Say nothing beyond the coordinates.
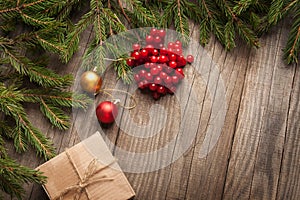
(106, 112)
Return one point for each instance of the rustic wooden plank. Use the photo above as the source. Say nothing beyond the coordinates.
(206, 179)
(289, 185)
(256, 155)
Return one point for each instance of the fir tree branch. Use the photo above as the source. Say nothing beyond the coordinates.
(51, 46)
(55, 115)
(123, 71)
(242, 5)
(72, 40)
(66, 99)
(123, 11)
(24, 131)
(291, 51)
(42, 76)
(99, 25)
(13, 176)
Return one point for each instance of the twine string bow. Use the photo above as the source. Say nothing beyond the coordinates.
(84, 182)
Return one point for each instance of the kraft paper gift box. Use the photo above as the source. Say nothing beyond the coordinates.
(87, 171)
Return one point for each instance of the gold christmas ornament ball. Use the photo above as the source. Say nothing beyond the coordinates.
(90, 82)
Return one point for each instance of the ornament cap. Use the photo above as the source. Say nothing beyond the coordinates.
(116, 101)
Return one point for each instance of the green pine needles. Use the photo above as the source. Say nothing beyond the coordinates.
(27, 30)
(30, 28)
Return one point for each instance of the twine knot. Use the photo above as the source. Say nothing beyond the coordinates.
(84, 182)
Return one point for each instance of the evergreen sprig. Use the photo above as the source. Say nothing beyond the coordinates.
(13, 176)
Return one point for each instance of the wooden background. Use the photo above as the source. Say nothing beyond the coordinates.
(257, 155)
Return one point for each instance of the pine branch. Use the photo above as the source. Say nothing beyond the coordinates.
(229, 35)
(72, 40)
(56, 116)
(123, 71)
(13, 176)
(40, 75)
(242, 6)
(139, 15)
(208, 15)
(24, 131)
(99, 25)
(292, 49)
(57, 98)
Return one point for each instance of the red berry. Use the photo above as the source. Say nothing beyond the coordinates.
(175, 79)
(178, 43)
(150, 48)
(177, 46)
(147, 65)
(163, 75)
(170, 45)
(168, 69)
(179, 73)
(142, 73)
(177, 51)
(137, 78)
(153, 31)
(168, 80)
(161, 90)
(157, 39)
(157, 80)
(152, 65)
(149, 77)
(172, 57)
(149, 39)
(154, 71)
(173, 64)
(154, 52)
(141, 85)
(163, 59)
(144, 52)
(163, 51)
(181, 62)
(136, 47)
(152, 86)
(130, 62)
(159, 68)
(190, 58)
(160, 45)
(153, 59)
(162, 33)
(145, 83)
(136, 55)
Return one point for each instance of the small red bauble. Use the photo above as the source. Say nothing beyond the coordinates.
(106, 112)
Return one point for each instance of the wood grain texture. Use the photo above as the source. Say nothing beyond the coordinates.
(255, 156)
(255, 160)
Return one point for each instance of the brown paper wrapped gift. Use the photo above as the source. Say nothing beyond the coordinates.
(87, 171)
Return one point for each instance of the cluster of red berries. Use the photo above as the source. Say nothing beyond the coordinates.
(160, 68)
